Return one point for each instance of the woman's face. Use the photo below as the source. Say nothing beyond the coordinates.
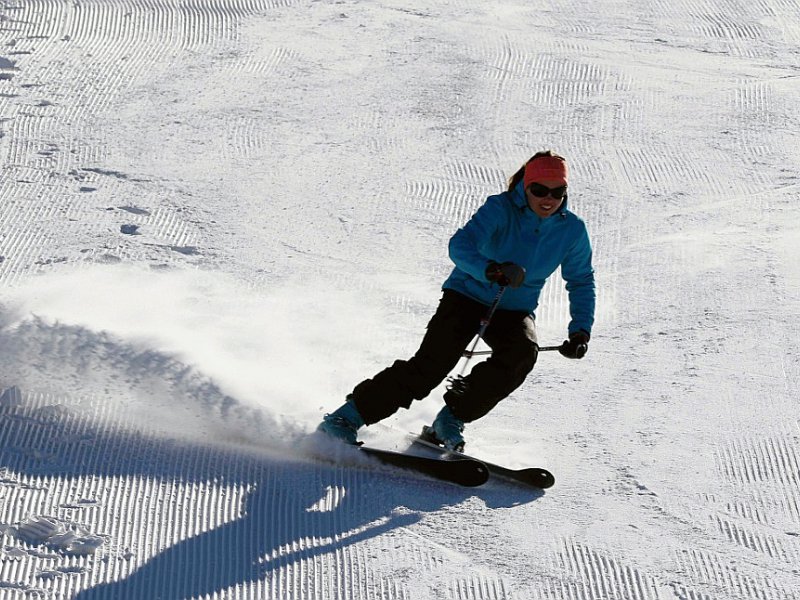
(544, 206)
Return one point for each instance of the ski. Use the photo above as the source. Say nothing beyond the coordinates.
(465, 471)
(533, 476)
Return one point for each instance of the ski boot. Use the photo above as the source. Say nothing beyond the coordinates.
(447, 430)
(343, 423)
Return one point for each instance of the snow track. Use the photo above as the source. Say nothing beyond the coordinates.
(217, 216)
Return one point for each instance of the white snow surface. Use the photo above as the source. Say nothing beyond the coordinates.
(218, 216)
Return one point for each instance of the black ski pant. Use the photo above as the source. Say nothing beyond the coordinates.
(511, 335)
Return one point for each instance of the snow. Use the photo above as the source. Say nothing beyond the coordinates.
(217, 217)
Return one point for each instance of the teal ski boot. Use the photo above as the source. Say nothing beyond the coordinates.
(448, 430)
(343, 423)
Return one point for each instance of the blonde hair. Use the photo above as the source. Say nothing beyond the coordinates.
(517, 177)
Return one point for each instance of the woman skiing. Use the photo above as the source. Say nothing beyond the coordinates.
(515, 241)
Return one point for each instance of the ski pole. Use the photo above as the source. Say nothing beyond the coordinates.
(457, 383)
(468, 354)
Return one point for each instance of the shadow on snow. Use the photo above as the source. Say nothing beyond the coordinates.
(275, 522)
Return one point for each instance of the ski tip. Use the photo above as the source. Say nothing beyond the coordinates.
(477, 475)
(541, 478)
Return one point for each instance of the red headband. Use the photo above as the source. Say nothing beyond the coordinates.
(546, 168)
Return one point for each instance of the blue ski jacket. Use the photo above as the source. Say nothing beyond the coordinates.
(506, 229)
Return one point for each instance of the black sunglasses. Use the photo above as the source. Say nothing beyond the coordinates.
(540, 191)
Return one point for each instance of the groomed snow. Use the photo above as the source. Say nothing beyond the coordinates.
(217, 216)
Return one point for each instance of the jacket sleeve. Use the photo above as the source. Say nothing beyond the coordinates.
(577, 271)
(468, 244)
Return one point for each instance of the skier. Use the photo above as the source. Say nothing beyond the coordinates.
(516, 240)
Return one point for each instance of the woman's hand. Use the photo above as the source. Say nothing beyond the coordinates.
(505, 274)
(576, 346)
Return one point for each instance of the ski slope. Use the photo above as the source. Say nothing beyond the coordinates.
(218, 216)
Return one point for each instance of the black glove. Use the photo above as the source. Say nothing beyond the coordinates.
(505, 274)
(576, 346)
